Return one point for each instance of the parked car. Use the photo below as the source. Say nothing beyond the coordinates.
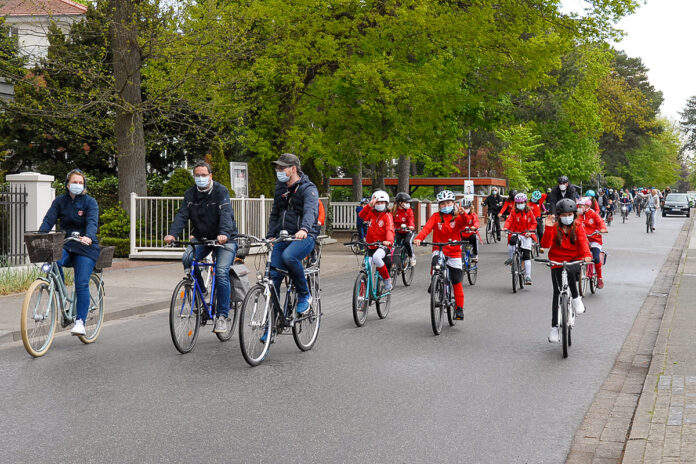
(692, 199)
(676, 203)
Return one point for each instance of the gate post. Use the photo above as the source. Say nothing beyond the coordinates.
(39, 196)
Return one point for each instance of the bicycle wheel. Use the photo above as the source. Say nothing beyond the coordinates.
(520, 273)
(184, 317)
(437, 304)
(489, 232)
(306, 328)
(255, 325)
(232, 318)
(355, 248)
(361, 299)
(472, 274)
(565, 307)
(513, 271)
(383, 302)
(38, 325)
(592, 279)
(450, 308)
(582, 281)
(95, 316)
(407, 273)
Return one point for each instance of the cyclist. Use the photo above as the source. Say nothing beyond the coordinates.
(403, 215)
(521, 221)
(494, 202)
(359, 223)
(447, 225)
(595, 204)
(508, 205)
(626, 201)
(566, 241)
(471, 221)
(381, 230)
(592, 223)
(295, 210)
(207, 205)
(652, 205)
(561, 191)
(536, 204)
(77, 212)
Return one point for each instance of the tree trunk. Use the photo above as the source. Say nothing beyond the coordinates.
(128, 126)
(356, 176)
(378, 176)
(404, 168)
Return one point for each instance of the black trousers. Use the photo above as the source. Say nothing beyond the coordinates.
(556, 279)
(405, 240)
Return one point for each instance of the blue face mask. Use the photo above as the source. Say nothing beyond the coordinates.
(202, 181)
(76, 189)
(282, 177)
(447, 209)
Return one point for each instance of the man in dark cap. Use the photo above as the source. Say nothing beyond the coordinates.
(561, 191)
(295, 210)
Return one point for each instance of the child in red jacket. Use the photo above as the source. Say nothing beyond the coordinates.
(381, 230)
(447, 225)
(471, 222)
(404, 223)
(566, 241)
(521, 224)
(592, 223)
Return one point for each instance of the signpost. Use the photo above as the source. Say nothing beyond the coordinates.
(239, 179)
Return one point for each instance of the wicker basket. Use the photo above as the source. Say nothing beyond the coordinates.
(44, 247)
(106, 256)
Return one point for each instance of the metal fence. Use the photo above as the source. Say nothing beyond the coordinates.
(13, 205)
(152, 216)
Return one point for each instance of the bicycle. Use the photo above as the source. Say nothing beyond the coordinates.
(610, 215)
(369, 288)
(357, 248)
(491, 232)
(566, 312)
(516, 267)
(189, 310)
(402, 264)
(47, 298)
(588, 277)
(441, 290)
(624, 213)
(262, 316)
(649, 220)
(638, 206)
(469, 266)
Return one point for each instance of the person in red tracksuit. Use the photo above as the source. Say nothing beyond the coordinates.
(508, 204)
(381, 230)
(566, 241)
(523, 223)
(446, 225)
(404, 223)
(471, 222)
(592, 222)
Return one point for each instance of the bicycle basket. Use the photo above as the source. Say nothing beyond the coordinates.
(106, 256)
(243, 247)
(603, 257)
(44, 247)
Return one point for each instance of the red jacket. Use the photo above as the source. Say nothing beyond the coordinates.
(381, 225)
(403, 216)
(595, 206)
(567, 251)
(536, 208)
(445, 227)
(471, 221)
(507, 206)
(521, 222)
(591, 222)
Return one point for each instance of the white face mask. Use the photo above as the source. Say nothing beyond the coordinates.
(379, 207)
(202, 181)
(406, 205)
(567, 220)
(76, 189)
(563, 187)
(467, 210)
(521, 206)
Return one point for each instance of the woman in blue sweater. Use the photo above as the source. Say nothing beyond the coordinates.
(77, 212)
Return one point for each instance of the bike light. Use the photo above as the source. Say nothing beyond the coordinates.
(259, 276)
(46, 267)
(437, 266)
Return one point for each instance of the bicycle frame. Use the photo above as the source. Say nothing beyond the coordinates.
(372, 277)
(197, 291)
(442, 269)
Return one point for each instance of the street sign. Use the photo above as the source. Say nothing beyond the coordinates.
(239, 179)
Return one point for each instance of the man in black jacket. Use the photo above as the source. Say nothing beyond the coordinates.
(494, 202)
(561, 191)
(207, 205)
(295, 210)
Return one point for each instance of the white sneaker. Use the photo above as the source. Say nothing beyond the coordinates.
(78, 328)
(554, 335)
(413, 261)
(388, 285)
(578, 306)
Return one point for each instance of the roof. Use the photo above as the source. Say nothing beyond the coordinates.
(41, 8)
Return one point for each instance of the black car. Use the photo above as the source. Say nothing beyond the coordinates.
(676, 203)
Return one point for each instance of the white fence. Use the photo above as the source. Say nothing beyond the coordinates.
(344, 215)
(152, 216)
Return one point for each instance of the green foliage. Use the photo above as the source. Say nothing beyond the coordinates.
(115, 223)
(614, 182)
(155, 185)
(220, 165)
(655, 161)
(122, 245)
(521, 146)
(180, 181)
(262, 178)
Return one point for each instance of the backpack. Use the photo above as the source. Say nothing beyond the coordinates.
(321, 218)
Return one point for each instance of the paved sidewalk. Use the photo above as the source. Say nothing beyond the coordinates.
(139, 287)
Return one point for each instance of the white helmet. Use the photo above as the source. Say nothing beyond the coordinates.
(445, 195)
(380, 195)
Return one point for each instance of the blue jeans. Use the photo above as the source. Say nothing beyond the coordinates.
(83, 267)
(288, 256)
(362, 231)
(224, 257)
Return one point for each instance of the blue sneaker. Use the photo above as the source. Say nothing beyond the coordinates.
(264, 337)
(303, 303)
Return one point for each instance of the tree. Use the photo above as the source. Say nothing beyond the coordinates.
(688, 126)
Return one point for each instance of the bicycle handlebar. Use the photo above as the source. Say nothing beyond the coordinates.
(444, 244)
(365, 244)
(548, 262)
(213, 243)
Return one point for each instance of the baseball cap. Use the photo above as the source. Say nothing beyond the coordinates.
(287, 160)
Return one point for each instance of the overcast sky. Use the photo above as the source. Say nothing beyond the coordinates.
(661, 33)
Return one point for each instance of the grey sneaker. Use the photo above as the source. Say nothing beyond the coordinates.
(508, 261)
(388, 285)
(528, 280)
(220, 325)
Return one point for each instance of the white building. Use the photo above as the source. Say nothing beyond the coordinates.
(29, 21)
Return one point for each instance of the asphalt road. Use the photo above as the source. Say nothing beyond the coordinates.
(490, 390)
